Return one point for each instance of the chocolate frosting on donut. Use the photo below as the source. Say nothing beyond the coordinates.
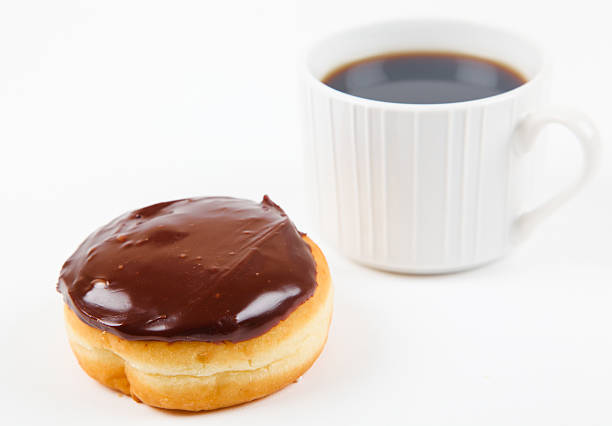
(202, 269)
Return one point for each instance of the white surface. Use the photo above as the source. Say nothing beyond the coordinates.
(110, 106)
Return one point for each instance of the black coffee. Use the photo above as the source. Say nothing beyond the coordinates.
(424, 78)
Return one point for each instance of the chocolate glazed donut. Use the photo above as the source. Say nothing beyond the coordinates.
(197, 304)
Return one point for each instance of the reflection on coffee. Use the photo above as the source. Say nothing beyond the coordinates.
(424, 78)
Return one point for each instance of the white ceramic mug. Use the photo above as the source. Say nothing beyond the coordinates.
(429, 188)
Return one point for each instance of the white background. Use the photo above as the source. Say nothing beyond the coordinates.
(112, 105)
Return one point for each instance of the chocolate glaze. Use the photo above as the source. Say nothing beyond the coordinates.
(203, 269)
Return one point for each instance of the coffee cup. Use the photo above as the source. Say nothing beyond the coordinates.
(430, 187)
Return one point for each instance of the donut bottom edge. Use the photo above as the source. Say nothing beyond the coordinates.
(192, 393)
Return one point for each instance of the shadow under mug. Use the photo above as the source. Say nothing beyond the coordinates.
(429, 188)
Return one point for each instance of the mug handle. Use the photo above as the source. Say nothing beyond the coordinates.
(524, 140)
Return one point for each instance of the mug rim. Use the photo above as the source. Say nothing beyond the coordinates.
(306, 72)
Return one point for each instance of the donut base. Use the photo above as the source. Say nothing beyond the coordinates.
(197, 376)
(190, 393)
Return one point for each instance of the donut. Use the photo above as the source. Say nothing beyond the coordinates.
(197, 304)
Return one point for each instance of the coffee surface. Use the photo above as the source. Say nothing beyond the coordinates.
(205, 269)
(424, 78)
